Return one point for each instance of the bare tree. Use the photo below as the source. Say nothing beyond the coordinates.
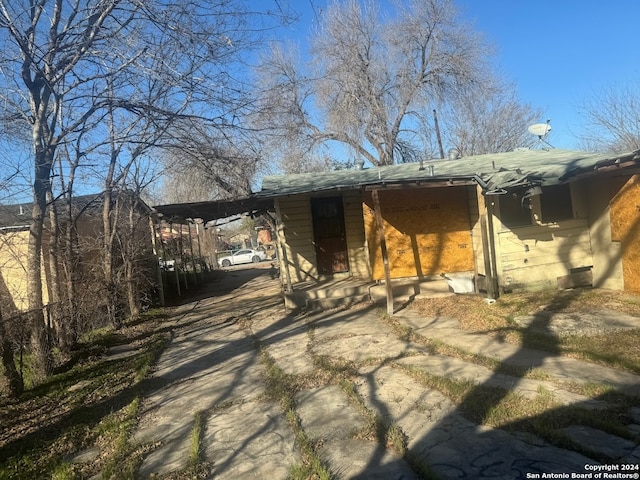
(368, 80)
(489, 120)
(66, 65)
(613, 119)
(217, 163)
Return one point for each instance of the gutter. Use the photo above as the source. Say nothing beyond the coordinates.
(15, 227)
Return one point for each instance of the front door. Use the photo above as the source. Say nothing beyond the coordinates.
(329, 234)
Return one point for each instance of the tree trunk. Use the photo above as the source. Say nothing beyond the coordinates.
(107, 261)
(133, 296)
(16, 385)
(70, 266)
(40, 341)
(54, 281)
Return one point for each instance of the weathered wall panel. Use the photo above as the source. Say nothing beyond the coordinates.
(607, 254)
(539, 254)
(625, 229)
(354, 224)
(476, 206)
(295, 227)
(13, 269)
(427, 232)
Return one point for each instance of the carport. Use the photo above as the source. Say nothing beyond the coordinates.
(179, 221)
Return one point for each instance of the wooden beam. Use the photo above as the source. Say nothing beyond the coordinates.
(486, 254)
(383, 248)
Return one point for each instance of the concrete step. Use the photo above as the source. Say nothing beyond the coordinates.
(314, 304)
(314, 296)
(403, 290)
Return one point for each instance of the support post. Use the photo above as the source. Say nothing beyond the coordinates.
(193, 260)
(492, 248)
(154, 247)
(383, 250)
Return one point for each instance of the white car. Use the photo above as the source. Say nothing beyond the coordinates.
(246, 255)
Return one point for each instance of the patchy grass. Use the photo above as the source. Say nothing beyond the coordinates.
(617, 349)
(391, 436)
(542, 416)
(437, 347)
(283, 388)
(89, 407)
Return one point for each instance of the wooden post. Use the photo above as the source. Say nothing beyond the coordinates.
(492, 248)
(487, 257)
(199, 250)
(193, 260)
(383, 250)
(155, 258)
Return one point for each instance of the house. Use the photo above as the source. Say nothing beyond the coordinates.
(491, 223)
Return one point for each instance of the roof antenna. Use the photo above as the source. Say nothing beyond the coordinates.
(541, 130)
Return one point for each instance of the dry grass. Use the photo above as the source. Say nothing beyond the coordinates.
(618, 349)
(94, 403)
(477, 315)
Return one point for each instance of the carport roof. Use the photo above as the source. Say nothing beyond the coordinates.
(494, 172)
(213, 210)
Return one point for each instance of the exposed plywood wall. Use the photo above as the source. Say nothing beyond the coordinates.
(427, 231)
(625, 228)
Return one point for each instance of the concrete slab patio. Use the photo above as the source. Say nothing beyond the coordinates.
(215, 368)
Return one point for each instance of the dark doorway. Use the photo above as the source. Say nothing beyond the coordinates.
(329, 235)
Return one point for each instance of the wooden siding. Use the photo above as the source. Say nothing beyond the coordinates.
(295, 226)
(539, 254)
(13, 264)
(427, 231)
(296, 229)
(356, 244)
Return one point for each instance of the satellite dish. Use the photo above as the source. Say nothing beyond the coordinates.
(540, 129)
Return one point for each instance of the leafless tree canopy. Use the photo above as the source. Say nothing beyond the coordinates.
(489, 119)
(613, 119)
(99, 84)
(373, 79)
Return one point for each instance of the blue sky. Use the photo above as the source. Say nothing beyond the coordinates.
(558, 52)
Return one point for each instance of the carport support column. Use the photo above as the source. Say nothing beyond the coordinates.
(154, 246)
(383, 250)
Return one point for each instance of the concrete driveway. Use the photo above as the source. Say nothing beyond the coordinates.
(354, 368)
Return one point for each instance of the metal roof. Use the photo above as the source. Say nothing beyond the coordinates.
(494, 172)
(18, 216)
(207, 211)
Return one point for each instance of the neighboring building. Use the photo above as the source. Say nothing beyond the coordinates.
(86, 214)
(500, 222)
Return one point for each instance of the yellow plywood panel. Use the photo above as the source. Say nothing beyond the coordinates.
(427, 232)
(625, 228)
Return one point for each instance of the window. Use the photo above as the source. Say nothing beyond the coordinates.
(555, 203)
(512, 212)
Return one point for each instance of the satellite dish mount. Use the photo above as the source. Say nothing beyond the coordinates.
(541, 130)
